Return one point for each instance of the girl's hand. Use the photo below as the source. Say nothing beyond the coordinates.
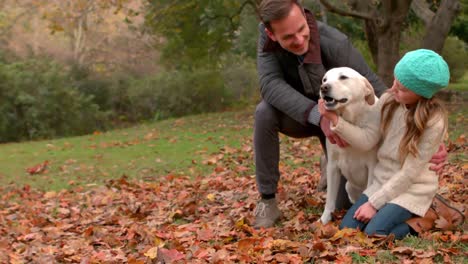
(365, 212)
(439, 159)
(330, 115)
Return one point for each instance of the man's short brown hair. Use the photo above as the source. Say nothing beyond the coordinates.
(270, 10)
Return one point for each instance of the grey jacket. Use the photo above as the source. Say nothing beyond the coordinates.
(292, 86)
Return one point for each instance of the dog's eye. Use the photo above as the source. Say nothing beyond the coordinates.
(343, 77)
(324, 80)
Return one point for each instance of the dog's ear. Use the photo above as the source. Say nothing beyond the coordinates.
(370, 95)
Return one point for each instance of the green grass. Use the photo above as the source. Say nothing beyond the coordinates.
(148, 151)
(417, 243)
(458, 126)
(177, 146)
(458, 111)
(386, 256)
(359, 259)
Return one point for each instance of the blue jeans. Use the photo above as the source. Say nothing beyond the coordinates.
(390, 219)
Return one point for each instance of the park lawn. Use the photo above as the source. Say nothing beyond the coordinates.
(179, 146)
(458, 125)
(183, 146)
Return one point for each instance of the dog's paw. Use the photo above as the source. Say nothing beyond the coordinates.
(326, 217)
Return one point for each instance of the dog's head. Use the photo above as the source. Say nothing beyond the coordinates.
(343, 86)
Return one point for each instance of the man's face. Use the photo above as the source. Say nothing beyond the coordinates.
(291, 32)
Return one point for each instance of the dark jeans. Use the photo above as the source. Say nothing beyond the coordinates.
(269, 122)
(390, 219)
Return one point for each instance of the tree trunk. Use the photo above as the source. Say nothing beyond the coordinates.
(438, 28)
(422, 10)
(388, 27)
(370, 29)
(383, 25)
(79, 38)
(388, 52)
(35, 45)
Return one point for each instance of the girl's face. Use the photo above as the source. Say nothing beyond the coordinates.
(403, 95)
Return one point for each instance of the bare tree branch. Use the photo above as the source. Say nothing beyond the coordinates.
(421, 8)
(334, 9)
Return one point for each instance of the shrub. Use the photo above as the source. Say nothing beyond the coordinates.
(455, 54)
(177, 93)
(98, 89)
(240, 78)
(38, 100)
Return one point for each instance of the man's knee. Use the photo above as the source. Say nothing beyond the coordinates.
(265, 113)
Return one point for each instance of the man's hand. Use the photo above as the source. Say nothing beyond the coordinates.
(365, 212)
(439, 159)
(325, 113)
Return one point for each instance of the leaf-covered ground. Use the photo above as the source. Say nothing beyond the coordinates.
(181, 219)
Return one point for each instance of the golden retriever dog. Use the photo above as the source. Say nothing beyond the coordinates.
(352, 97)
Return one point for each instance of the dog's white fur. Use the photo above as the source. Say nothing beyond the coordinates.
(352, 97)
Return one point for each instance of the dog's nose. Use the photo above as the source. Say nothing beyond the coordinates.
(324, 88)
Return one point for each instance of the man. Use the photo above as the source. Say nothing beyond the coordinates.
(294, 52)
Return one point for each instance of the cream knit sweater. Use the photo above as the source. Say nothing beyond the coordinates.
(411, 186)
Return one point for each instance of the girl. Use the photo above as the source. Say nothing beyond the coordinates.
(409, 127)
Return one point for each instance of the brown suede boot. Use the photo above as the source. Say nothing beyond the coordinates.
(441, 215)
(425, 223)
(451, 214)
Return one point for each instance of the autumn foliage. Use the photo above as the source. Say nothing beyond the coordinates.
(206, 219)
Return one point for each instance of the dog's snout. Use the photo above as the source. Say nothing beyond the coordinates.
(324, 88)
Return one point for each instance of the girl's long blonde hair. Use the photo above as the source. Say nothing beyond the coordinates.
(417, 118)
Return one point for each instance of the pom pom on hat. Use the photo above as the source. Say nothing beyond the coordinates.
(422, 71)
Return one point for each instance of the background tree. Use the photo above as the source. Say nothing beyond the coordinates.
(437, 23)
(103, 37)
(385, 20)
(460, 25)
(80, 21)
(196, 32)
(108, 55)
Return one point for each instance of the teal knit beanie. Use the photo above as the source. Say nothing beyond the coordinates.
(422, 71)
